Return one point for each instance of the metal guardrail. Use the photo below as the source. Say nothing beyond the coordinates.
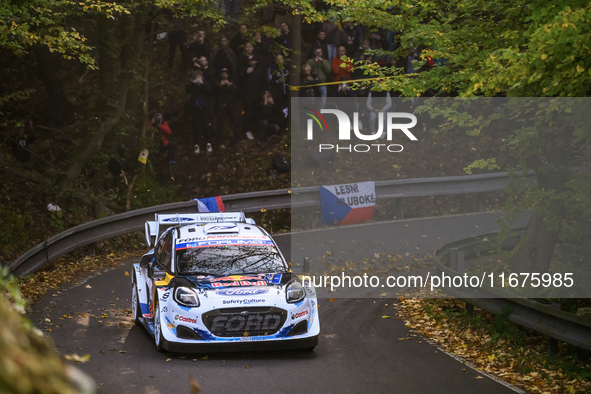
(133, 221)
(545, 319)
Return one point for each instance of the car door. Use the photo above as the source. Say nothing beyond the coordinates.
(161, 264)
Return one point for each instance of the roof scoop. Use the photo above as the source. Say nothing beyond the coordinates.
(221, 228)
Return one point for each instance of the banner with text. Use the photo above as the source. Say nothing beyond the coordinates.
(347, 204)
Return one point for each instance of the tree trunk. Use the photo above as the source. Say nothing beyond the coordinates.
(60, 108)
(294, 73)
(537, 249)
(130, 54)
(296, 56)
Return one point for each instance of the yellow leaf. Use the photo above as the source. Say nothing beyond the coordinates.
(386, 317)
(580, 68)
(479, 377)
(168, 360)
(491, 358)
(126, 273)
(544, 56)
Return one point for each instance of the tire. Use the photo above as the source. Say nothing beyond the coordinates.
(136, 310)
(158, 339)
(309, 349)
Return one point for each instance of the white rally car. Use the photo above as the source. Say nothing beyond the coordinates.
(218, 282)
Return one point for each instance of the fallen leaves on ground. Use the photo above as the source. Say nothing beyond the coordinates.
(519, 359)
(77, 358)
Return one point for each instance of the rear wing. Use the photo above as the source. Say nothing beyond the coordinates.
(153, 227)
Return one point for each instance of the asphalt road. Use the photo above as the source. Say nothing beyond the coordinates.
(358, 350)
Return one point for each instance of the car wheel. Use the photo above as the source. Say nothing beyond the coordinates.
(136, 310)
(158, 339)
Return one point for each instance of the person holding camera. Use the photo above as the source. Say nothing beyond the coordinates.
(321, 68)
(166, 144)
(270, 118)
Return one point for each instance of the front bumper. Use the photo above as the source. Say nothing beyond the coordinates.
(268, 345)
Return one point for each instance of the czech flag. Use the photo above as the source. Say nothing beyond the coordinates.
(348, 203)
(211, 204)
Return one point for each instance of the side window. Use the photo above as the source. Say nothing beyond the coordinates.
(166, 253)
(158, 247)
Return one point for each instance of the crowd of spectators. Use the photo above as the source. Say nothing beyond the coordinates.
(238, 86)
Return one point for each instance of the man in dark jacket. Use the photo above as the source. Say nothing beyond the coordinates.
(226, 106)
(239, 39)
(200, 46)
(252, 82)
(285, 37)
(224, 57)
(278, 80)
(199, 108)
(348, 38)
(270, 118)
(319, 43)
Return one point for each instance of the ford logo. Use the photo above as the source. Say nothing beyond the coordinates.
(241, 292)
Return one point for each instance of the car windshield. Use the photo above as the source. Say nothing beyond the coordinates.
(229, 260)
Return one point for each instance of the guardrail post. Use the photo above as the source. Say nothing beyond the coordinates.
(91, 249)
(306, 265)
(470, 309)
(553, 342)
(452, 256)
(461, 265)
(399, 214)
(479, 202)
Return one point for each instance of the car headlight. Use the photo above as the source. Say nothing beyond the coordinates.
(186, 296)
(294, 292)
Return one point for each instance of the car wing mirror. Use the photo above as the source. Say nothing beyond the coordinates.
(146, 260)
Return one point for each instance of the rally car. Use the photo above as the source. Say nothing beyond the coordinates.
(218, 282)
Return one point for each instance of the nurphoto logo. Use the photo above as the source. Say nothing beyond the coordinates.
(345, 128)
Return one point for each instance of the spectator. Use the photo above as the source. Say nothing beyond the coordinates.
(278, 80)
(224, 57)
(415, 54)
(261, 49)
(285, 37)
(320, 66)
(377, 40)
(239, 39)
(166, 144)
(270, 118)
(226, 107)
(200, 111)
(21, 139)
(320, 42)
(200, 46)
(331, 30)
(309, 78)
(359, 73)
(177, 37)
(360, 52)
(344, 91)
(348, 38)
(246, 53)
(345, 71)
(378, 102)
(203, 64)
(252, 83)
